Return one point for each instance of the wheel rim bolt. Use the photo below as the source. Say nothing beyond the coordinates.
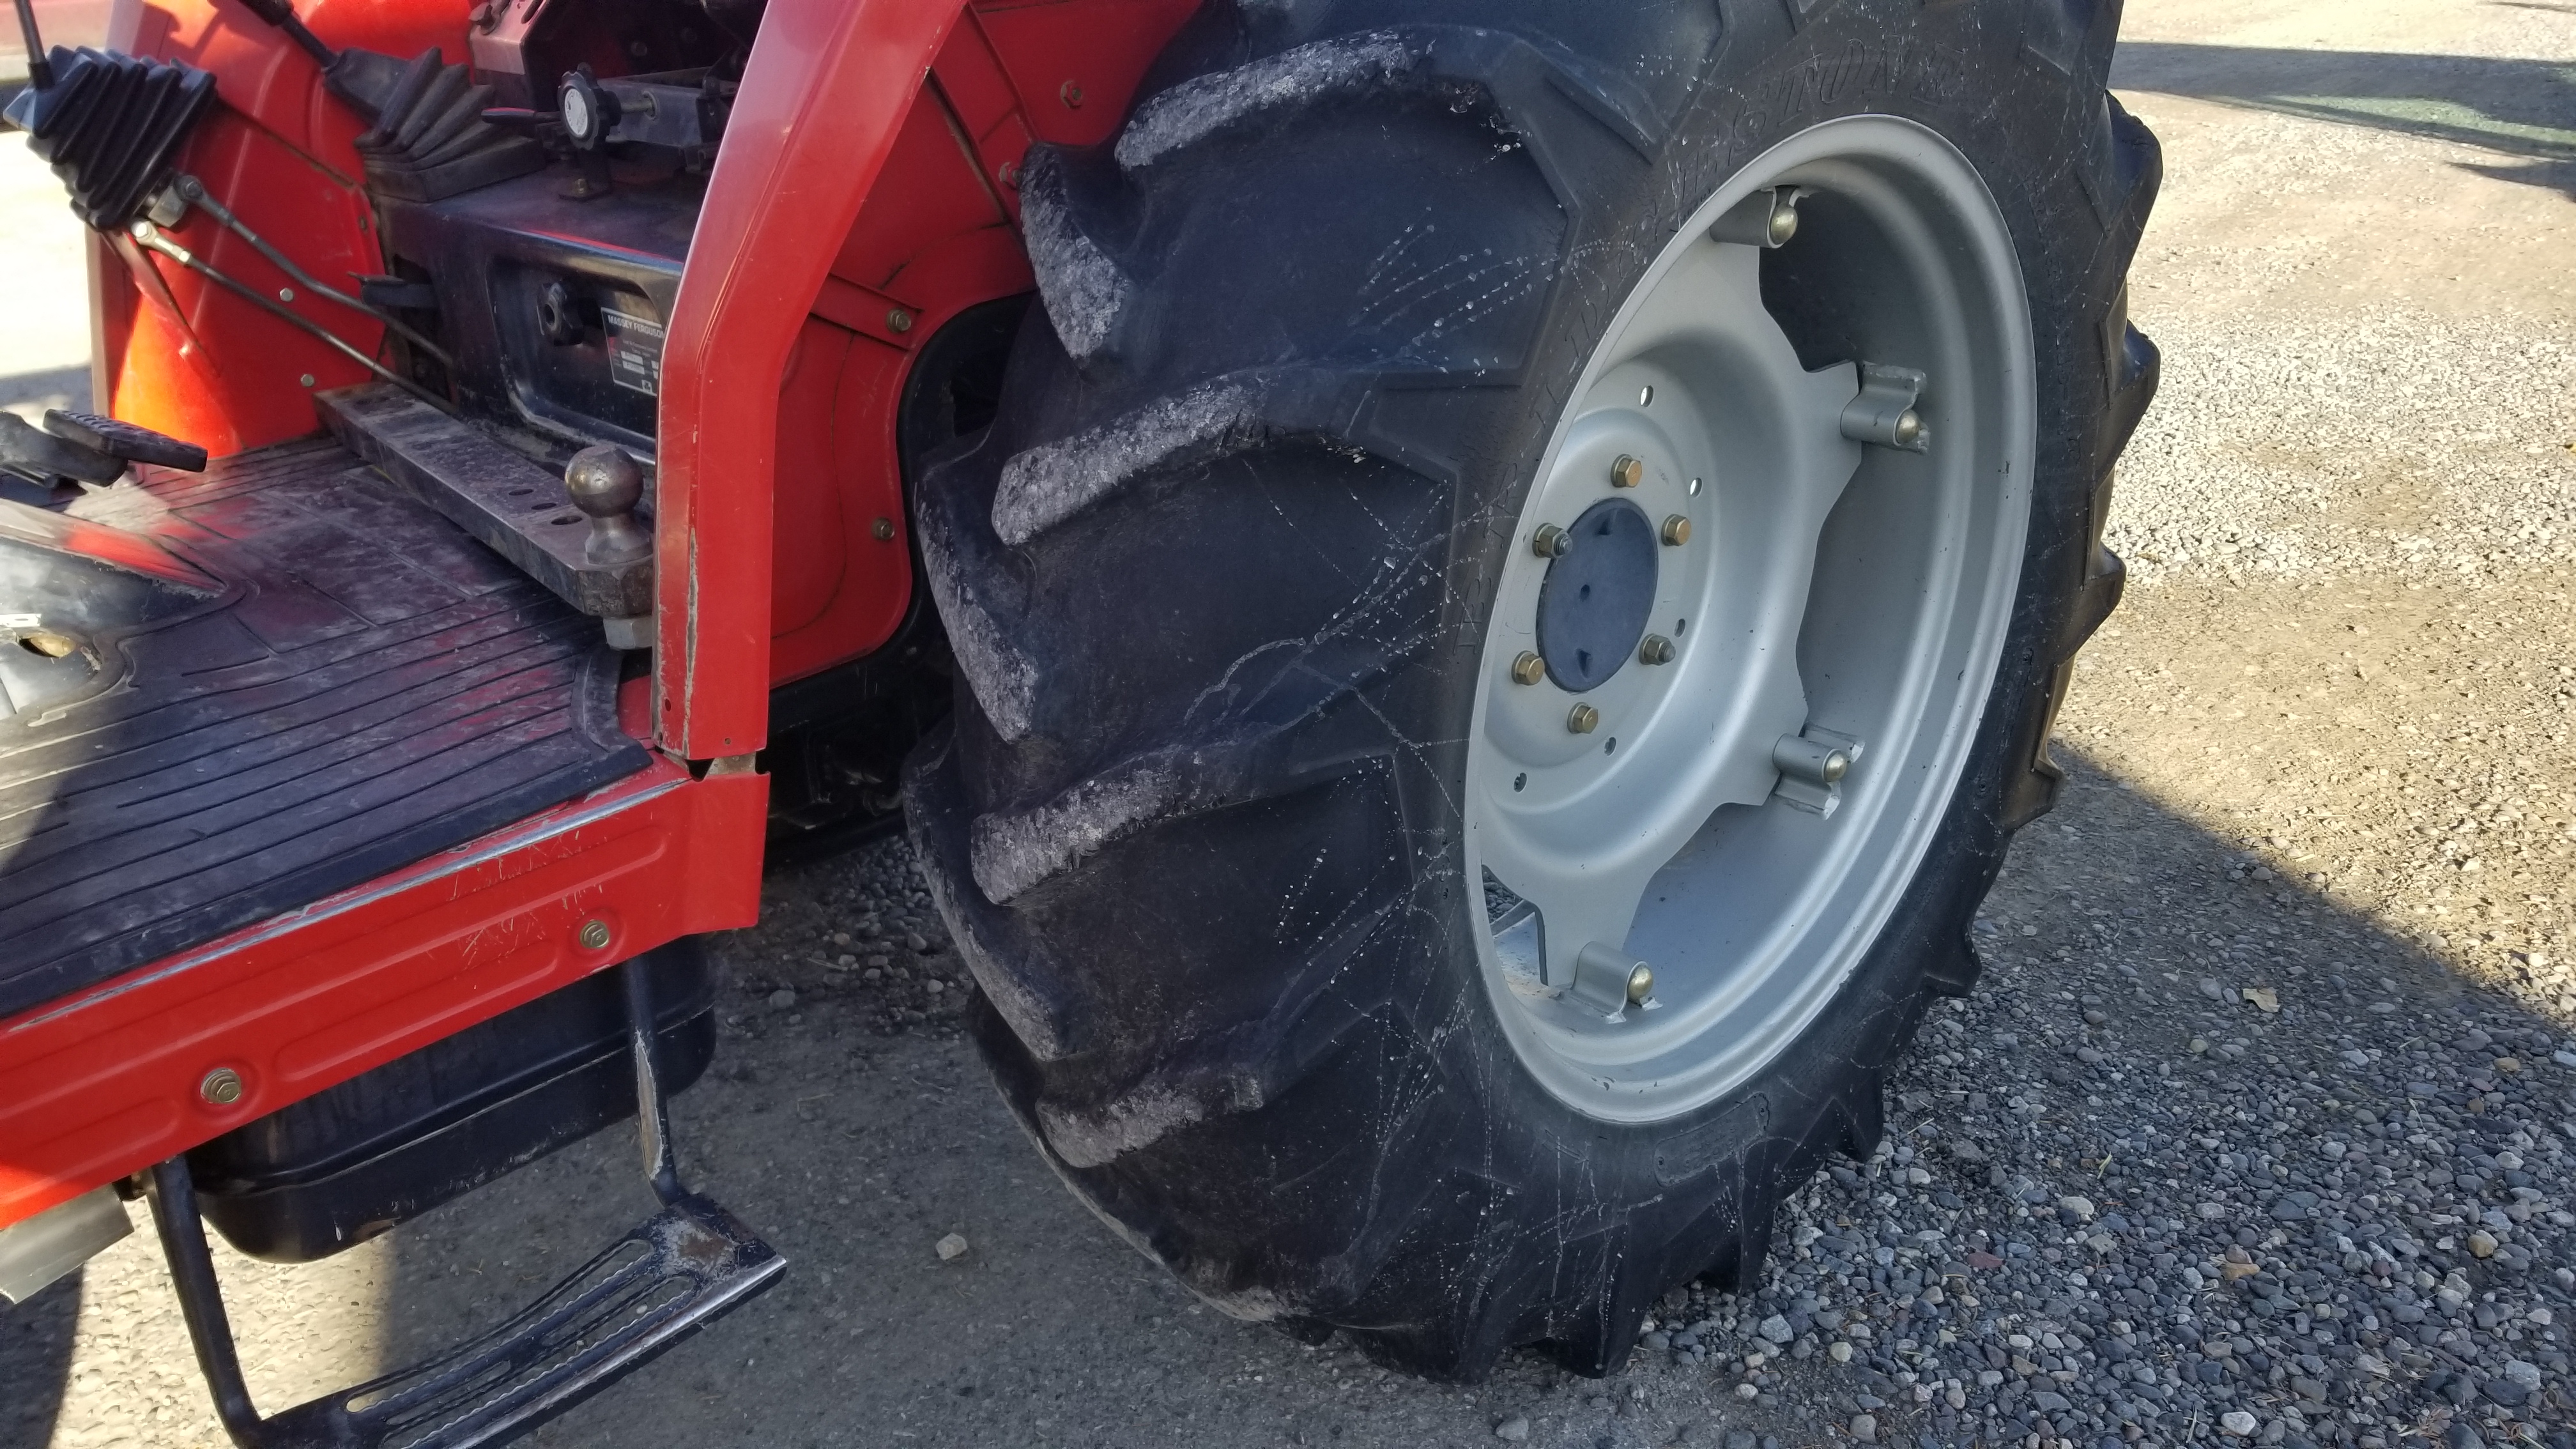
(1676, 531)
(1909, 428)
(1626, 472)
(1655, 649)
(1528, 668)
(1551, 541)
(1641, 983)
(1583, 719)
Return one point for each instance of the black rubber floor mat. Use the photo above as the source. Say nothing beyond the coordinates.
(364, 687)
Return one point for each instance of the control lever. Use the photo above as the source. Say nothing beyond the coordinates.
(87, 448)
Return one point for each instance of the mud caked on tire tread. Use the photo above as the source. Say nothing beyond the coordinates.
(1214, 579)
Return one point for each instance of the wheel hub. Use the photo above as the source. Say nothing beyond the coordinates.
(1741, 643)
(1598, 596)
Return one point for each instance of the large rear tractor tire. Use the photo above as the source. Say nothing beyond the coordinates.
(1510, 610)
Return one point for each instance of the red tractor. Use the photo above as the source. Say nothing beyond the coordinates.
(1461, 601)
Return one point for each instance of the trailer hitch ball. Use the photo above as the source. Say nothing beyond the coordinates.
(606, 483)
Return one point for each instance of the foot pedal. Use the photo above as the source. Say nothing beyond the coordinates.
(678, 1271)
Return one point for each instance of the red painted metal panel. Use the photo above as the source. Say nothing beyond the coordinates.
(1076, 63)
(928, 192)
(104, 1083)
(822, 101)
(817, 534)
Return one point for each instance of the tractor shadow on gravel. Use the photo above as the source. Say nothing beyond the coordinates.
(856, 1146)
(37, 1344)
(2524, 109)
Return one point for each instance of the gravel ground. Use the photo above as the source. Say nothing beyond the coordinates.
(2261, 1128)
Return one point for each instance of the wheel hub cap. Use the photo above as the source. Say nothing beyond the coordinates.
(1593, 607)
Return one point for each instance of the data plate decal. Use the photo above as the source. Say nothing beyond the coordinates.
(634, 351)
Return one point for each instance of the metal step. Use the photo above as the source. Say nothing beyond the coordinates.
(678, 1271)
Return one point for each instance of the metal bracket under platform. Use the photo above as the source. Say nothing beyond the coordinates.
(509, 502)
(676, 1272)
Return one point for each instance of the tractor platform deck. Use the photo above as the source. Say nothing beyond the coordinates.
(243, 690)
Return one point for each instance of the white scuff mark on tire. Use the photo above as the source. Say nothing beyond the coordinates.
(1047, 485)
(1137, 1119)
(1003, 680)
(1082, 289)
(1196, 109)
(1013, 853)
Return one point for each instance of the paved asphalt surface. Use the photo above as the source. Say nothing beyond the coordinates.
(2262, 1127)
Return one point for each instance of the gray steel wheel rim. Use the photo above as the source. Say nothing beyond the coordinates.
(1670, 843)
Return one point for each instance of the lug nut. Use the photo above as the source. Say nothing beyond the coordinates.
(1676, 531)
(1626, 472)
(221, 1087)
(1583, 719)
(1641, 983)
(1655, 649)
(1909, 428)
(1551, 541)
(594, 935)
(1528, 668)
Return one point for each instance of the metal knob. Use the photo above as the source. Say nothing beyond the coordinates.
(606, 483)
